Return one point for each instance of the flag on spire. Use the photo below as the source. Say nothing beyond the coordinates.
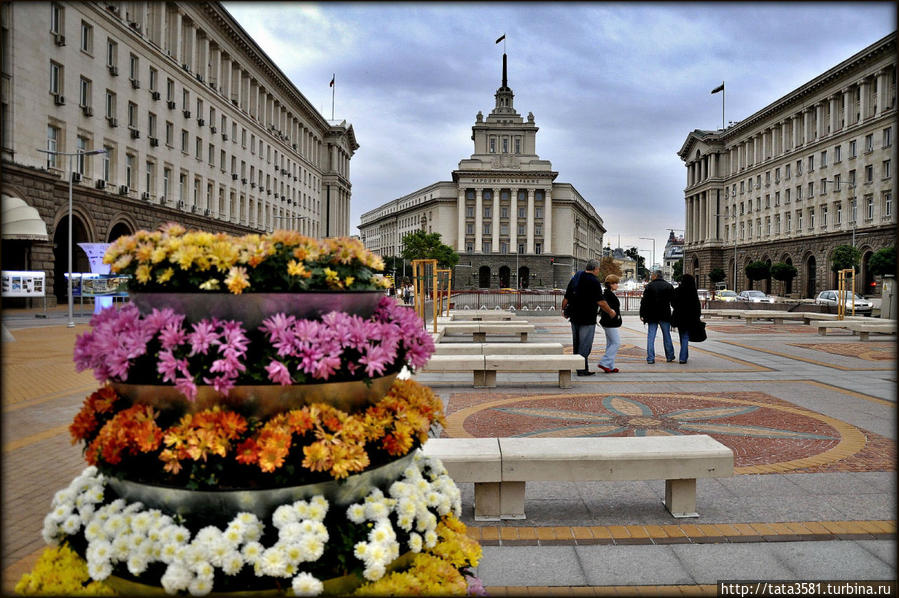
(719, 88)
(332, 80)
(501, 38)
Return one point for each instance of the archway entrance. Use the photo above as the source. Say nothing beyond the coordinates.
(869, 285)
(810, 276)
(524, 275)
(61, 246)
(788, 284)
(768, 280)
(119, 230)
(505, 277)
(484, 277)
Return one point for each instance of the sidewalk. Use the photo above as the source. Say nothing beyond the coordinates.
(814, 495)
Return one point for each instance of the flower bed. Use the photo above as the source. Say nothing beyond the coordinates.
(174, 259)
(160, 348)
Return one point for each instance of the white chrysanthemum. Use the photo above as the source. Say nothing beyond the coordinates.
(134, 507)
(292, 532)
(100, 570)
(374, 572)
(175, 533)
(398, 489)
(50, 532)
(137, 541)
(316, 512)
(168, 552)
(208, 536)
(313, 548)
(63, 497)
(194, 553)
(97, 551)
(415, 542)
(376, 510)
(61, 512)
(374, 495)
(95, 493)
(246, 518)
(406, 506)
(237, 524)
(305, 584)
(140, 523)
(430, 538)
(382, 533)
(176, 578)
(203, 569)
(252, 551)
(319, 500)
(117, 505)
(283, 515)
(294, 552)
(356, 513)
(444, 506)
(320, 531)
(137, 564)
(218, 552)
(274, 562)
(121, 547)
(405, 522)
(89, 472)
(232, 563)
(87, 512)
(422, 486)
(232, 536)
(94, 531)
(377, 553)
(412, 473)
(301, 509)
(200, 586)
(71, 525)
(253, 532)
(433, 498)
(114, 525)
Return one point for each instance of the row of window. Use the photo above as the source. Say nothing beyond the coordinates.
(503, 212)
(487, 247)
(504, 140)
(505, 195)
(822, 212)
(487, 229)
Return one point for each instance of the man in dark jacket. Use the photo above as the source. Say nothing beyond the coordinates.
(581, 302)
(655, 310)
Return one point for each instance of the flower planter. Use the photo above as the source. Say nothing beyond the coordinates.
(253, 308)
(264, 400)
(225, 504)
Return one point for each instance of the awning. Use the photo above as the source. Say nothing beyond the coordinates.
(21, 221)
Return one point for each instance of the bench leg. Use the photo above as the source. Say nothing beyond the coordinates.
(511, 500)
(524, 337)
(564, 378)
(749, 321)
(487, 501)
(485, 378)
(863, 336)
(680, 498)
(778, 321)
(479, 337)
(822, 331)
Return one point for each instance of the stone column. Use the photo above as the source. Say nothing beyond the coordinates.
(795, 121)
(688, 228)
(834, 113)
(784, 137)
(513, 222)
(713, 165)
(460, 206)
(764, 146)
(703, 216)
(548, 221)
(495, 222)
(805, 126)
(530, 225)
(478, 220)
(819, 120)
(703, 168)
(179, 31)
(883, 88)
(757, 147)
(863, 100)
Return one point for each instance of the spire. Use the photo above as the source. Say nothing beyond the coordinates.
(504, 95)
(505, 84)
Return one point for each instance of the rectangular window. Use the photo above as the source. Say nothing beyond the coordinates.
(469, 212)
(486, 230)
(185, 139)
(169, 134)
(154, 79)
(169, 90)
(887, 204)
(887, 137)
(788, 221)
(811, 189)
(107, 163)
(885, 169)
(787, 171)
(767, 200)
(223, 158)
(786, 196)
(492, 145)
(112, 51)
(798, 167)
(837, 154)
(852, 150)
(487, 211)
(504, 212)
(869, 142)
(185, 99)
(56, 14)
(132, 115)
(538, 248)
(486, 246)
(81, 147)
(521, 230)
(538, 212)
(823, 186)
(838, 215)
(52, 146)
(198, 149)
(742, 183)
(469, 229)
(824, 216)
(869, 207)
(768, 178)
(758, 181)
(538, 230)
(811, 163)
(87, 37)
(798, 193)
(811, 218)
(823, 158)
(504, 229)
(869, 173)
(211, 152)
(129, 171)
(133, 68)
(84, 92)
(151, 125)
(836, 183)
(55, 78)
(166, 178)
(798, 220)
(776, 198)
(777, 175)
(851, 180)
(151, 177)
(469, 248)
(517, 145)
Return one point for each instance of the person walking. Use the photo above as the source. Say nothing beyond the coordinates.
(581, 302)
(610, 320)
(655, 310)
(687, 312)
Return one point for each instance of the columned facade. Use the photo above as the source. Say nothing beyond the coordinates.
(811, 171)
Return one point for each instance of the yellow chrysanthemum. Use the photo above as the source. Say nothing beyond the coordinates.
(237, 280)
(142, 274)
(165, 275)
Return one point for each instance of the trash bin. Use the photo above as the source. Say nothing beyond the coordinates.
(888, 297)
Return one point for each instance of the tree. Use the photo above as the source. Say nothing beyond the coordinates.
(845, 257)
(717, 275)
(641, 262)
(607, 266)
(678, 270)
(757, 271)
(783, 272)
(421, 245)
(883, 261)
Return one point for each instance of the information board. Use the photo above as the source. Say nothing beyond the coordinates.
(23, 283)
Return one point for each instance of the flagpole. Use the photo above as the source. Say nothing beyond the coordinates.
(723, 93)
(333, 85)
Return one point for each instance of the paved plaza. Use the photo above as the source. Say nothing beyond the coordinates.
(811, 421)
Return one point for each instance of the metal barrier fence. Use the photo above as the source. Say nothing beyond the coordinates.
(525, 300)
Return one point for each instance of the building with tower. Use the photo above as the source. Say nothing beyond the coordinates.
(505, 214)
(674, 251)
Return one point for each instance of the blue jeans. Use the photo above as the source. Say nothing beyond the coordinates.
(666, 341)
(684, 344)
(582, 339)
(613, 341)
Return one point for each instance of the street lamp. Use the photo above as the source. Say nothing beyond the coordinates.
(653, 249)
(71, 155)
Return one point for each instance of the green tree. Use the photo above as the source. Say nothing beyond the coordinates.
(845, 257)
(677, 270)
(717, 275)
(421, 245)
(883, 261)
(757, 271)
(783, 272)
(641, 262)
(607, 266)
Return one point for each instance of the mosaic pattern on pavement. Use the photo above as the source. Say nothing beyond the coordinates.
(867, 351)
(761, 329)
(766, 434)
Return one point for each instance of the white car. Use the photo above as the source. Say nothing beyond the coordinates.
(862, 305)
(754, 297)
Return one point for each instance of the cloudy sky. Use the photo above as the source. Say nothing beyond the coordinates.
(614, 87)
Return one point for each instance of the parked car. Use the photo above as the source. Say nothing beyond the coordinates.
(725, 295)
(862, 305)
(754, 297)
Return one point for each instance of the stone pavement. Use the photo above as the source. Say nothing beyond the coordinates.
(812, 421)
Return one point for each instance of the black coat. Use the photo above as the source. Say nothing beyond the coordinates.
(655, 306)
(584, 293)
(687, 309)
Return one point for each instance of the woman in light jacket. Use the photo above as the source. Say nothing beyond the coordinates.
(610, 320)
(686, 313)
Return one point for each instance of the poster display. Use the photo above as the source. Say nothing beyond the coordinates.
(23, 283)
(88, 284)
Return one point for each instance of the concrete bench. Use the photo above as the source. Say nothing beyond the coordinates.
(723, 313)
(480, 330)
(777, 317)
(864, 329)
(482, 315)
(824, 326)
(679, 460)
(498, 348)
(485, 367)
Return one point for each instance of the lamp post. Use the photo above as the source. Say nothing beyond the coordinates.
(71, 171)
(653, 250)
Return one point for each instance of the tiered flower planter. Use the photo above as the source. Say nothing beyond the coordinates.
(357, 502)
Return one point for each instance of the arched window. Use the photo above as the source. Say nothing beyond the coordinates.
(484, 277)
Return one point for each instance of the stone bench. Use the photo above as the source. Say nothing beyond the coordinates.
(498, 348)
(777, 317)
(485, 367)
(482, 315)
(864, 329)
(723, 313)
(480, 330)
(679, 460)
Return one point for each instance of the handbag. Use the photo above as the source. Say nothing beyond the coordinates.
(697, 333)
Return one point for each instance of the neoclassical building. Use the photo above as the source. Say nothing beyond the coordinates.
(199, 125)
(512, 224)
(810, 171)
(674, 251)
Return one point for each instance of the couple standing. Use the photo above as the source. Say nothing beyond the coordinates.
(663, 306)
(584, 297)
